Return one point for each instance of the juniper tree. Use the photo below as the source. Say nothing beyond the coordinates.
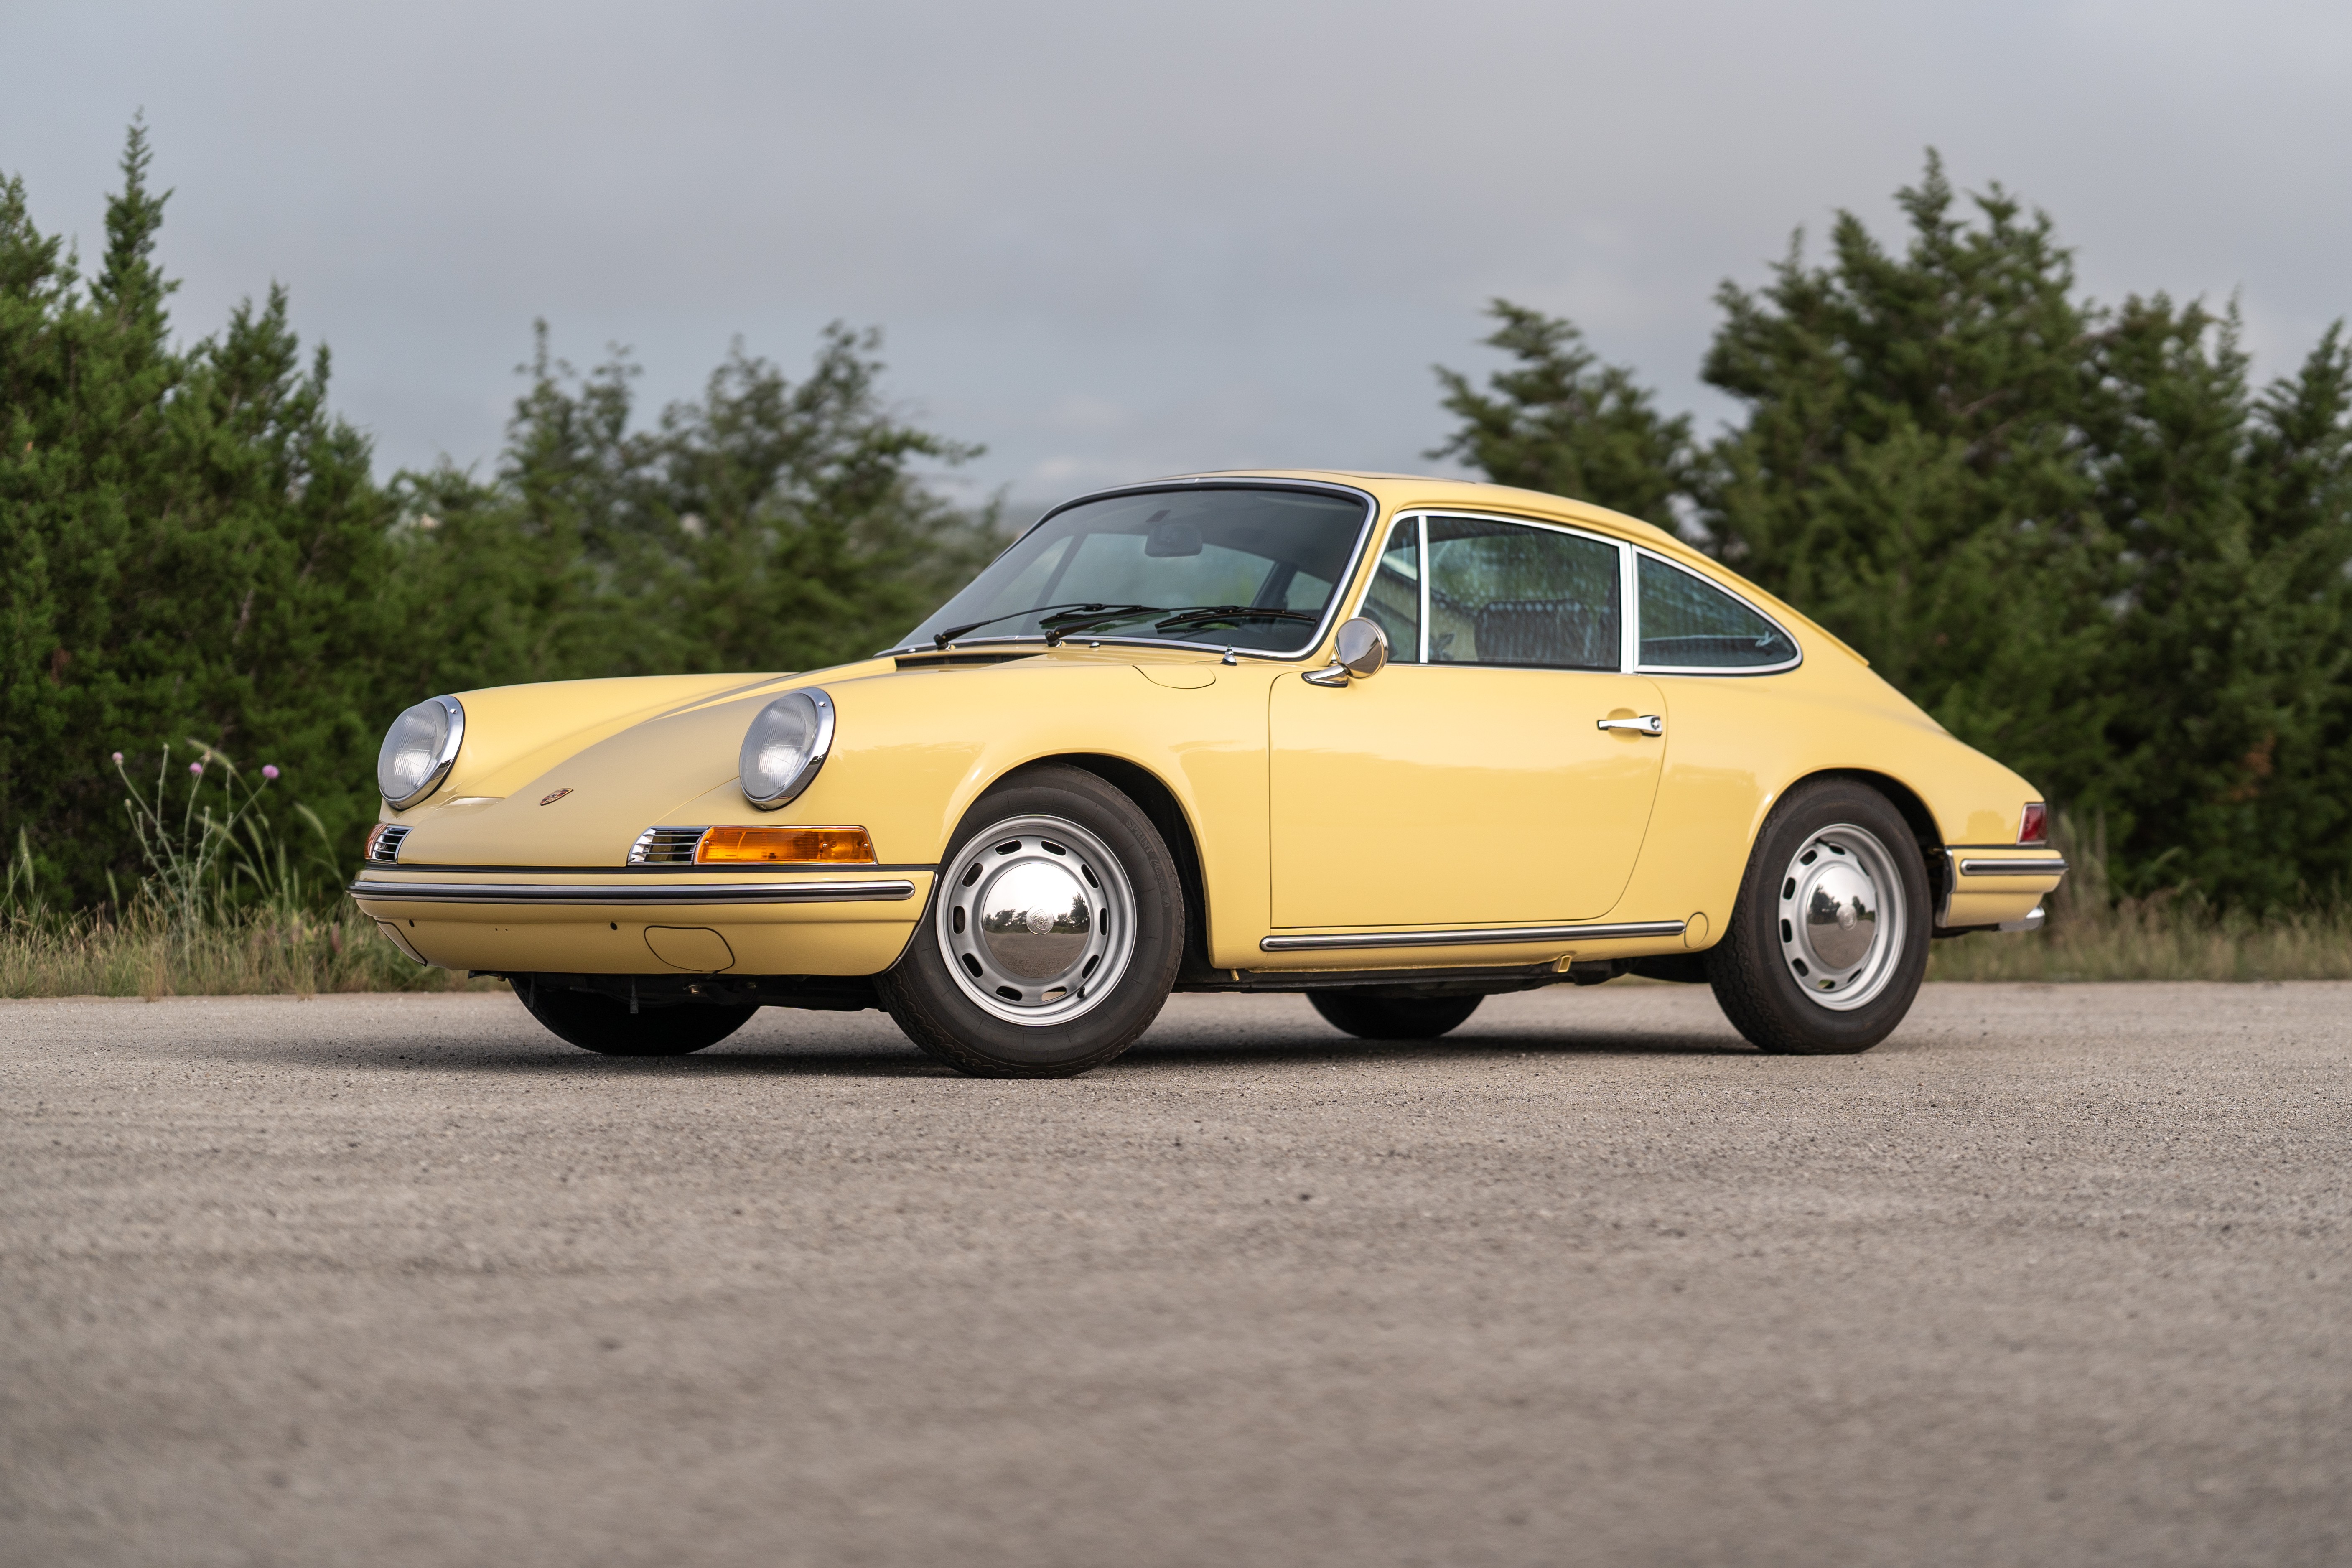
(1559, 420)
(190, 544)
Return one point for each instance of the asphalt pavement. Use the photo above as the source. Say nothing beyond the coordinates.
(2057, 1275)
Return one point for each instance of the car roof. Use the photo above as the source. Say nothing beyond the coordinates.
(1398, 493)
(1401, 492)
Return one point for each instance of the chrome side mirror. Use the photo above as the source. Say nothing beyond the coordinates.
(1360, 649)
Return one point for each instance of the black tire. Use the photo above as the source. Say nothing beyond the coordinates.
(1761, 978)
(956, 1016)
(1393, 1017)
(605, 1024)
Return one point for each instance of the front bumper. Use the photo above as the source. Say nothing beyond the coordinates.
(640, 893)
(762, 924)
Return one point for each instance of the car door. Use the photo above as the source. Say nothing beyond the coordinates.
(1468, 783)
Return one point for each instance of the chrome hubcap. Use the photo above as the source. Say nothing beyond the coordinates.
(1841, 917)
(1037, 920)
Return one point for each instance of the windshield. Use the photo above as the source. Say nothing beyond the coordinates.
(1251, 569)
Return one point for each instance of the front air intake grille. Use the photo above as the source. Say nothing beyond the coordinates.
(386, 851)
(666, 847)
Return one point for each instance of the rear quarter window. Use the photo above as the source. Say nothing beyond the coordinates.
(1688, 622)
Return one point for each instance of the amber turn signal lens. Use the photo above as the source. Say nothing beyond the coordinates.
(2036, 829)
(723, 846)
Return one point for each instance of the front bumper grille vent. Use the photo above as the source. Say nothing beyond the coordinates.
(666, 847)
(386, 851)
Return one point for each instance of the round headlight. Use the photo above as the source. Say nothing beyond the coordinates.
(417, 750)
(786, 746)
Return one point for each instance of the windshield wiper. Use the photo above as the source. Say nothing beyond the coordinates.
(1063, 625)
(1199, 615)
(1065, 619)
(941, 639)
(1186, 618)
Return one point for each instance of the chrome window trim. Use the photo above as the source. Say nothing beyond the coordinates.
(886, 889)
(1628, 577)
(1322, 631)
(1488, 936)
(1634, 640)
(1421, 515)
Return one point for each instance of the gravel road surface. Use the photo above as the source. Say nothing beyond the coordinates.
(2056, 1274)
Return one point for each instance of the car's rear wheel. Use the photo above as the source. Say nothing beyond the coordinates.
(595, 1022)
(1826, 947)
(1369, 1017)
(1052, 934)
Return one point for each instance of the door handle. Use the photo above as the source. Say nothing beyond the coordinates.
(1647, 725)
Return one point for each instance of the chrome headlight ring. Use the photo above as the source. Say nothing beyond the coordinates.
(784, 747)
(419, 750)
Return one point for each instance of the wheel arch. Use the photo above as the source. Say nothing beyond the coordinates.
(1167, 815)
(1907, 803)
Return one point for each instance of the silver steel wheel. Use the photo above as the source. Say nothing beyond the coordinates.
(1037, 920)
(1841, 917)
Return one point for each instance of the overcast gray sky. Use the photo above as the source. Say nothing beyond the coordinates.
(1119, 240)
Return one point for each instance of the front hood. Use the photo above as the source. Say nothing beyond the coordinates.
(913, 745)
(569, 773)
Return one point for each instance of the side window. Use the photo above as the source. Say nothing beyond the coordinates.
(1394, 601)
(1501, 593)
(1689, 624)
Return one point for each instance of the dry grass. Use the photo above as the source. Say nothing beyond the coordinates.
(2155, 939)
(260, 952)
(2091, 936)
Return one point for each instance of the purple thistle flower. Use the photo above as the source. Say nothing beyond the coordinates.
(197, 769)
(118, 759)
(270, 770)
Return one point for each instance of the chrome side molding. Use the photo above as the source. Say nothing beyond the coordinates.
(2012, 868)
(800, 890)
(1480, 936)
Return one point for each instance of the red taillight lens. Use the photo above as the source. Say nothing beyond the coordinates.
(2036, 829)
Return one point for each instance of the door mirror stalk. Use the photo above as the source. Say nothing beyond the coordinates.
(1360, 650)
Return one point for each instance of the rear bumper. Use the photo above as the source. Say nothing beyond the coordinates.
(1996, 887)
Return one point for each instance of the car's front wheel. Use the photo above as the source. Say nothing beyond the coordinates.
(1828, 943)
(608, 1025)
(1052, 934)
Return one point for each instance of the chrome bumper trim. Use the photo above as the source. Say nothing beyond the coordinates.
(1488, 936)
(2012, 868)
(797, 891)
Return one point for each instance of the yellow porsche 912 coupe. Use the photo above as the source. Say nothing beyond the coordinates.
(1397, 744)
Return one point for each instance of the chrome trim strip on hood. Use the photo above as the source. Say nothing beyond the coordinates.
(797, 891)
(1489, 935)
